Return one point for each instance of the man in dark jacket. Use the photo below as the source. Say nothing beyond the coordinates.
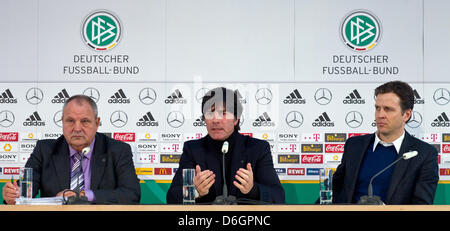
(249, 171)
(411, 181)
(104, 173)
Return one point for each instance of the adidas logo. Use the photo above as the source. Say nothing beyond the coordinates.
(199, 122)
(354, 98)
(61, 97)
(263, 121)
(7, 97)
(34, 120)
(147, 120)
(294, 98)
(417, 98)
(441, 121)
(240, 98)
(323, 121)
(119, 97)
(175, 97)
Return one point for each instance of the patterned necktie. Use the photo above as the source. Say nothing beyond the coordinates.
(77, 176)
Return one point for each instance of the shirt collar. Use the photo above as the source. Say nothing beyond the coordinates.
(397, 143)
(88, 155)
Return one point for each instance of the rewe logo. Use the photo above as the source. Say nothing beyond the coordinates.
(294, 98)
(34, 120)
(263, 121)
(360, 30)
(175, 98)
(323, 121)
(61, 97)
(119, 97)
(441, 121)
(147, 120)
(354, 98)
(7, 97)
(101, 30)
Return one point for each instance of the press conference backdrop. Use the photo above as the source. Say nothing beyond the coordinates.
(305, 72)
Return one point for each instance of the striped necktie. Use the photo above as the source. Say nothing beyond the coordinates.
(77, 176)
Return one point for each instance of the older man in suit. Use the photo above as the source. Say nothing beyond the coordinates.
(411, 181)
(249, 171)
(104, 174)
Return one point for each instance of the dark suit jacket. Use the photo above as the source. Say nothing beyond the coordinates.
(113, 176)
(246, 150)
(413, 181)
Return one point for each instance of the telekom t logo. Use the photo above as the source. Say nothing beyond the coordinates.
(316, 136)
(175, 147)
(293, 147)
(434, 136)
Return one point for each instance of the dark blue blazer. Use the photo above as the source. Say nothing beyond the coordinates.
(246, 150)
(113, 176)
(413, 181)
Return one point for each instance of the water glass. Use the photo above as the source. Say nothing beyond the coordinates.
(26, 183)
(188, 186)
(326, 187)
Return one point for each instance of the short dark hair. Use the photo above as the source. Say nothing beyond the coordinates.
(229, 99)
(79, 99)
(402, 90)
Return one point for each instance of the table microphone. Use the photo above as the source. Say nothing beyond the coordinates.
(370, 199)
(224, 198)
(224, 152)
(78, 199)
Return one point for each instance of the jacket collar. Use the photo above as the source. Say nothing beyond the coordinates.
(400, 168)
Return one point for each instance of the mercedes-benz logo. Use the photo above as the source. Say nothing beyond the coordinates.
(57, 118)
(200, 93)
(147, 96)
(441, 96)
(34, 95)
(175, 119)
(353, 119)
(118, 119)
(415, 121)
(92, 93)
(294, 119)
(263, 96)
(6, 118)
(323, 96)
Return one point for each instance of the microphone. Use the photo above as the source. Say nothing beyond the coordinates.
(224, 151)
(370, 199)
(224, 199)
(78, 199)
(85, 151)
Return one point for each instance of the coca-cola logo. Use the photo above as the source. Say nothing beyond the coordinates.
(446, 148)
(9, 136)
(334, 148)
(124, 136)
(312, 159)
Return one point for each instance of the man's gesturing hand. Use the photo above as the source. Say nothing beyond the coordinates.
(203, 180)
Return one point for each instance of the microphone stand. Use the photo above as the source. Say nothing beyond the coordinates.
(78, 199)
(370, 199)
(224, 199)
